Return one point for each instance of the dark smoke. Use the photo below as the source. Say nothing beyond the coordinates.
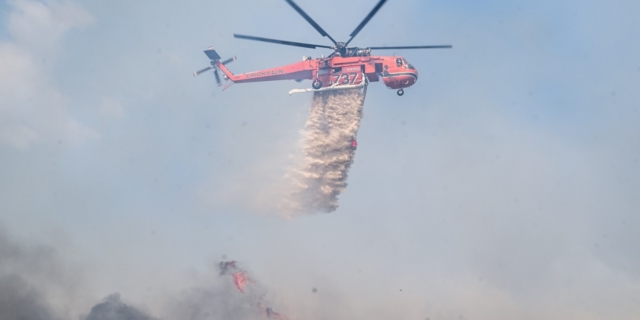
(37, 284)
(21, 301)
(29, 274)
(114, 309)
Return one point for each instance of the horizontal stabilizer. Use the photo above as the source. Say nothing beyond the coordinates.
(212, 54)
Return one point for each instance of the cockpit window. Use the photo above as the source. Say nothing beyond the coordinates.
(410, 66)
(399, 62)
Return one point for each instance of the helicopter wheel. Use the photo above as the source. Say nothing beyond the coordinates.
(317, 84)
(400, 92)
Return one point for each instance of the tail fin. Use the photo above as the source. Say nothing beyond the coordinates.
(212, 54)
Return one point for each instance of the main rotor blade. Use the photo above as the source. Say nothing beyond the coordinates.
(313, 23)
(288, 43)
(215, 72)
(201, 71)
(413, 47)
(365, 21)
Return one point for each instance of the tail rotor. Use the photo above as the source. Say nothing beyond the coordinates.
(215, 73)
(197, 73)
(214, 57)
(229, 60)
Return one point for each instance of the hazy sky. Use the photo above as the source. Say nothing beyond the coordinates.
(505, 184)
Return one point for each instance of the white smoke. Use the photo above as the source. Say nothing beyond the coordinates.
(321, 175)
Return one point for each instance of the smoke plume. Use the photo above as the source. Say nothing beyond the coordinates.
(328, 151)
(112, 308)
(19, 300)
(35, 283)
(225, 298)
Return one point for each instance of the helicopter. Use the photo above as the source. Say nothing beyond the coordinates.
(345, 68)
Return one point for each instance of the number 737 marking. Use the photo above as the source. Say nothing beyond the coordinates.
(350, 78)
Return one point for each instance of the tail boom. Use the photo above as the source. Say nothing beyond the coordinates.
(297, 71)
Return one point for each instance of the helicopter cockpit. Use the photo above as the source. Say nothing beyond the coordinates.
(402, 62)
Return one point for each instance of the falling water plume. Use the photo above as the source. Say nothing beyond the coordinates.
(328, 151)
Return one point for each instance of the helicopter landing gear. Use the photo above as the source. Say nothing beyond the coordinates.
(317, 84)
(400, 92)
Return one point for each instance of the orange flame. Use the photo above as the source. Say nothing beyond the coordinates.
(240, 279)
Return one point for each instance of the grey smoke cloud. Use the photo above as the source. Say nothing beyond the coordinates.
(20, 300)
(34, 281)
(112, 308)
(214, 301)
(33, 275)
(37, 283)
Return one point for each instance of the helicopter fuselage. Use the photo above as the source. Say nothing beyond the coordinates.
(336, 71)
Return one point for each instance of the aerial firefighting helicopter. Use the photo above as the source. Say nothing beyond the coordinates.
(345, 68)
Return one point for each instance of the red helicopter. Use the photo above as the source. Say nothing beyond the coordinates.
(345, 68)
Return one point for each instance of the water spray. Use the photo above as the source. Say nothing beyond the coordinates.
(329, 141)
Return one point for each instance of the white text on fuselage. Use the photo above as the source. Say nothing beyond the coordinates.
(264, 73)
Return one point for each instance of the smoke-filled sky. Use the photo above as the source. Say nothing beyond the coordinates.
(503, 185)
